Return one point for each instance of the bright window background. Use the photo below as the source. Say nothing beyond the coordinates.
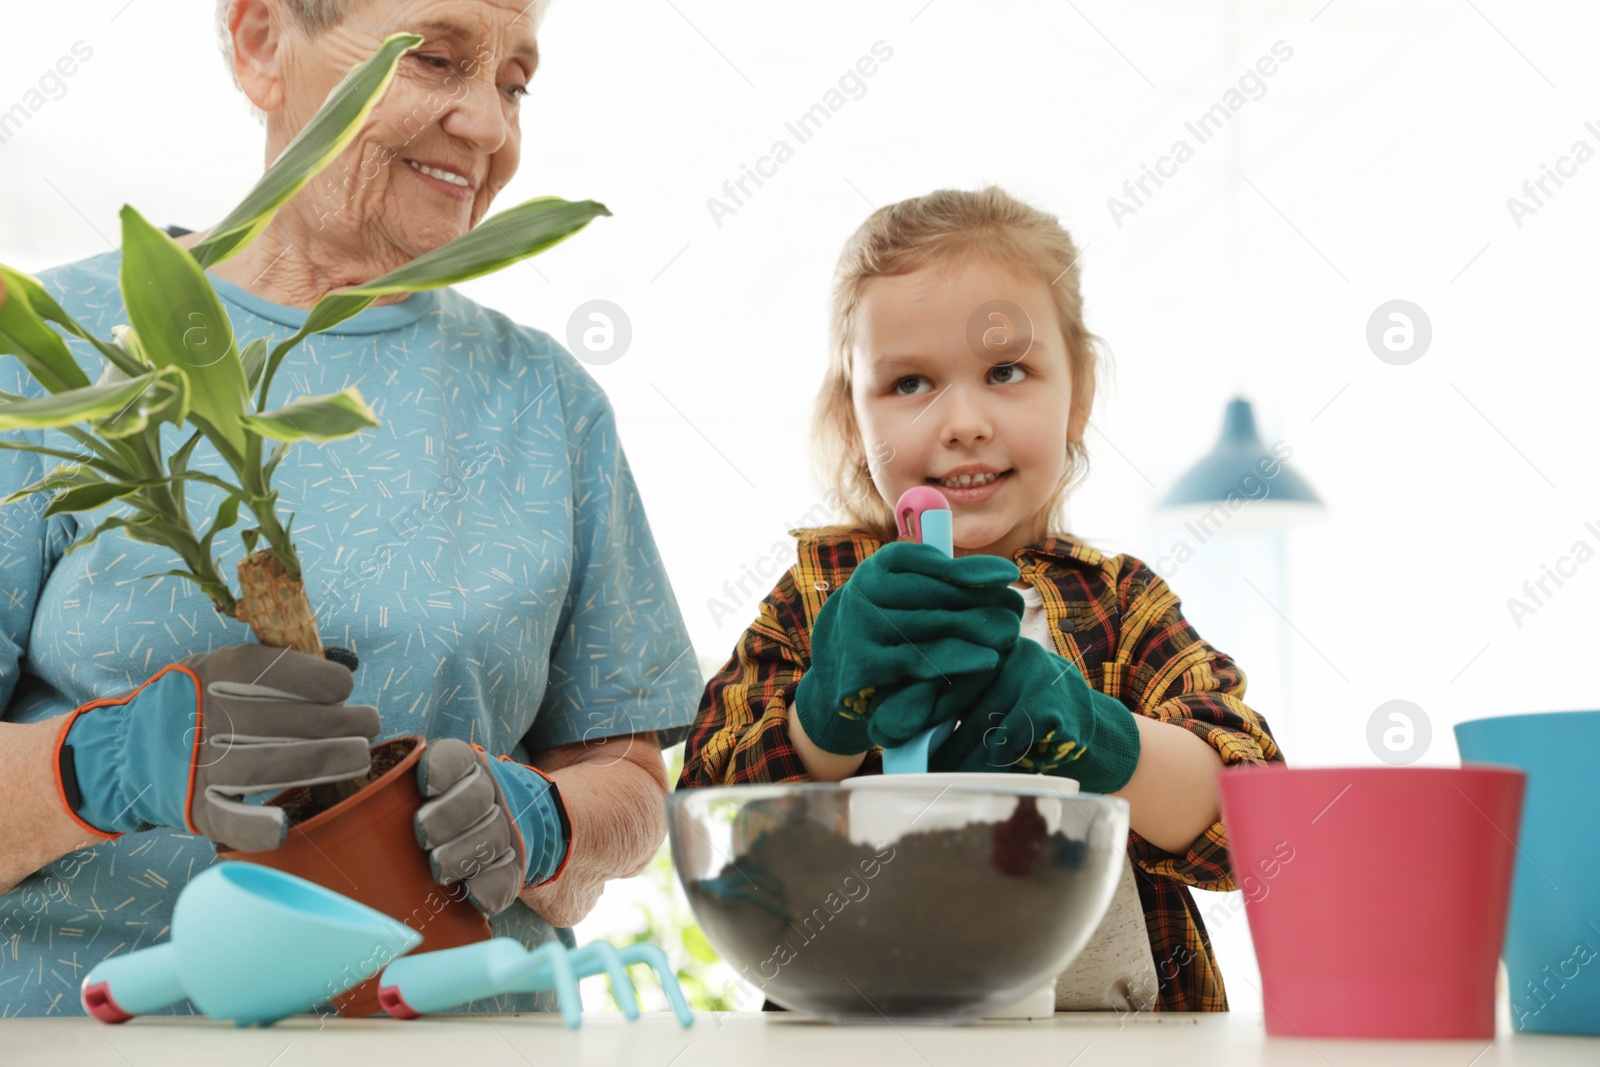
(1376, 164)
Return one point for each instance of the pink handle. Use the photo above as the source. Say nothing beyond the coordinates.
(912, 503)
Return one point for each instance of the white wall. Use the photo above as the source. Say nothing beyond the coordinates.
(1379, 161)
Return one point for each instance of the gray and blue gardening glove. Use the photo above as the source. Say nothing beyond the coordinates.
(184, 748)
(495, 825)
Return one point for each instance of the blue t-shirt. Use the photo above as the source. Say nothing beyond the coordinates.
(484, 551)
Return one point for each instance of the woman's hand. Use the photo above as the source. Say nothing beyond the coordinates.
(615, 789)
(495, 825)
(185, 747)
(909, 617)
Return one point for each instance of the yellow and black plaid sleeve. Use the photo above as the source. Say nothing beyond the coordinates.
(741, 732)
(1163, 669)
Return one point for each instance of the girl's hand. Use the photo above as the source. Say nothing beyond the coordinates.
(908, 614)
(1041, 716)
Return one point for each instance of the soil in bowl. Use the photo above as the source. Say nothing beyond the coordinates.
(946, 922)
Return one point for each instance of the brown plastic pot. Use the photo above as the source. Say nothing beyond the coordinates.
(366, 848)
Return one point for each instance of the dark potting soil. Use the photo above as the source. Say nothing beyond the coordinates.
(910, 928)
(300, 805)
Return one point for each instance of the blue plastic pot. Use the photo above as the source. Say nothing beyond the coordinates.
(1552, 950)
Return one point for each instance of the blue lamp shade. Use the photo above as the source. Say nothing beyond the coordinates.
(1243, 475)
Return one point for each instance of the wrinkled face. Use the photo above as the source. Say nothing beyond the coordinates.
(948, 382)
(452, 107)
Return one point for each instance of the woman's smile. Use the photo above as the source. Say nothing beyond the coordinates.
(464, 193)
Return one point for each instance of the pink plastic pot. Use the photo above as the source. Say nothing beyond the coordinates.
(1377, 896)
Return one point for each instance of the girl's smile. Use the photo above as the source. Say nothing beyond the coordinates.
(971, 484)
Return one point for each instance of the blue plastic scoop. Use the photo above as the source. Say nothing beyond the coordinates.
(251, 944)
(922, 514)
(256, 945)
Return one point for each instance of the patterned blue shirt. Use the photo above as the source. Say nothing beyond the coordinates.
(484, 551)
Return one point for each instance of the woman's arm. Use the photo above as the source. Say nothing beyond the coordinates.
(615, 792)
(36, 829)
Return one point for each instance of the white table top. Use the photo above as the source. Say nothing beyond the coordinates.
(751, 1039)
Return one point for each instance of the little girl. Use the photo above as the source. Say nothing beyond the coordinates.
(959, 358)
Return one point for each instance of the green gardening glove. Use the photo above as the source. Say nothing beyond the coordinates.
(1041, 716)
(909, 709)
(908, 614)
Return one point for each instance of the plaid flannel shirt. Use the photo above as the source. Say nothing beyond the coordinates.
(1112, 616)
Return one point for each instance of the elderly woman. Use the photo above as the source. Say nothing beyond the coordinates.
(485, 553)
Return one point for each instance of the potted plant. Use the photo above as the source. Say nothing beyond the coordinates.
(178, 361)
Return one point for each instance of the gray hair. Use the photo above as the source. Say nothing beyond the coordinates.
(313, 17)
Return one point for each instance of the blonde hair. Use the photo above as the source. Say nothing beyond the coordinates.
(948, 224)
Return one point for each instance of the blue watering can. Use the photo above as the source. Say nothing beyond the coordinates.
(251, 944)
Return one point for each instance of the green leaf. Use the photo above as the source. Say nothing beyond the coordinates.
(335, 124)
(62, 476)
(497, 242)
(114, 458)
(45, 306)
(225, 449)
(227, 515)
(88, 497)
(178, 465)
(155, 530)
(315, 418)
(180, 459)
(126, 340)
(181, 323)
(250, 537)
(254, 358)
(219, 594)
(167, 400)
(24, 446)
(24, 334)
(209, 479)
(71, 406)
(114, 522)
(273, 460)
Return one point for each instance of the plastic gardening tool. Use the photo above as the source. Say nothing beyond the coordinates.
(251, 944)
(923, 515)
(437, 981)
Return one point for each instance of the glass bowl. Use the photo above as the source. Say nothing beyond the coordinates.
(938, 902)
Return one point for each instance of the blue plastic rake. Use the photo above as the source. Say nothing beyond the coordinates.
(428, 982)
